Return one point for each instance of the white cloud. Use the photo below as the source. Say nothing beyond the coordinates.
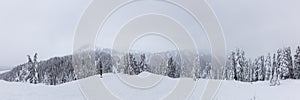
(30, 26)
(259, 26)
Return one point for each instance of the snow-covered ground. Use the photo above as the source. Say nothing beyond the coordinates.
(228, 90)
(3, 71)
(26, 91)
(288, 90)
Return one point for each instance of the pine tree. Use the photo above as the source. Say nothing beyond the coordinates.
(31, 70)
(100, 70)
(196, 68)
(35, 77)
(240, 64)
(29, 59)
(250, 69)
(281, 64)
(289, 62)
(247, 71)
(285, 63)
(234, 64)
(275, 72)
(268, 66)
(255, 70)
(261, 68)
(207, 71)
(227, 70)
(172, 70)
(142, 64)
(129, 64)
(297, 63)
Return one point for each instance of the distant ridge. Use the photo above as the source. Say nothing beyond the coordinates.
(5, 68)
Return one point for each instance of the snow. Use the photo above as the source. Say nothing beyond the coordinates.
(3, 71)
(228, 90)
(144, 74)
(288, 90)
(26, 91)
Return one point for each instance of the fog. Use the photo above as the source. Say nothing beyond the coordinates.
(48, 26)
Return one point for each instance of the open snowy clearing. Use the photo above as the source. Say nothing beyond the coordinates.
(228, 90)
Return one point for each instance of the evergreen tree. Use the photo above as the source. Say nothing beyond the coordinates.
(246, 71)
(297, 63)
(226, 70)
(29, 59)
(250, 69)
(205, 73)
(289, 61)
(35, 73)
(261, 68)
(172, 70)
(275, 72)
(31, 70)
(283, 63)
(100, 69)
(268, 66)
(234, 64)
(142, 64)
(196, 68)
(240, 64)
(255, 70)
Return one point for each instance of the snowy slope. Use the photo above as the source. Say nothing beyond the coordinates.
(4, 71)
(228, 90)
(288, 90)
(26, 91)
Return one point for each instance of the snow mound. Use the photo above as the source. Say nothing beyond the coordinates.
(144, 74)
(228, 90)
(26, 91)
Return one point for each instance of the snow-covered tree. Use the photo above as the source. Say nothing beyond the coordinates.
(206, 72)
(233, 64)
(142, 64)
(247, 71)
(240, 64)
(129, 64)
(172, 69)
(261, 68)
(35, 65)
(283, 62)
(238, 67)
(196, 68)
(31, 71)
(29, 59)
(255, 70)
(289, 62)
(297, 63)
(250, 69)
(268, 67)
(275, 72)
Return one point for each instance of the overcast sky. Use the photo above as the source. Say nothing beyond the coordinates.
(48, 26)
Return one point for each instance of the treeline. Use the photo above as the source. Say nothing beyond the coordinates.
(57, 70)
(54, 71)
(280, 65)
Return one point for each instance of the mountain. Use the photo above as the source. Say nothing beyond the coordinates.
(58, 70)
(2, 68)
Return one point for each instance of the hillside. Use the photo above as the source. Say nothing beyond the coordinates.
(228, 90)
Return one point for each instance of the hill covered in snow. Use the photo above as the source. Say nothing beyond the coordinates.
(228, 90)
(58, 70)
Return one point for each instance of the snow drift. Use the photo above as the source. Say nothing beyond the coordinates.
(228, 90)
